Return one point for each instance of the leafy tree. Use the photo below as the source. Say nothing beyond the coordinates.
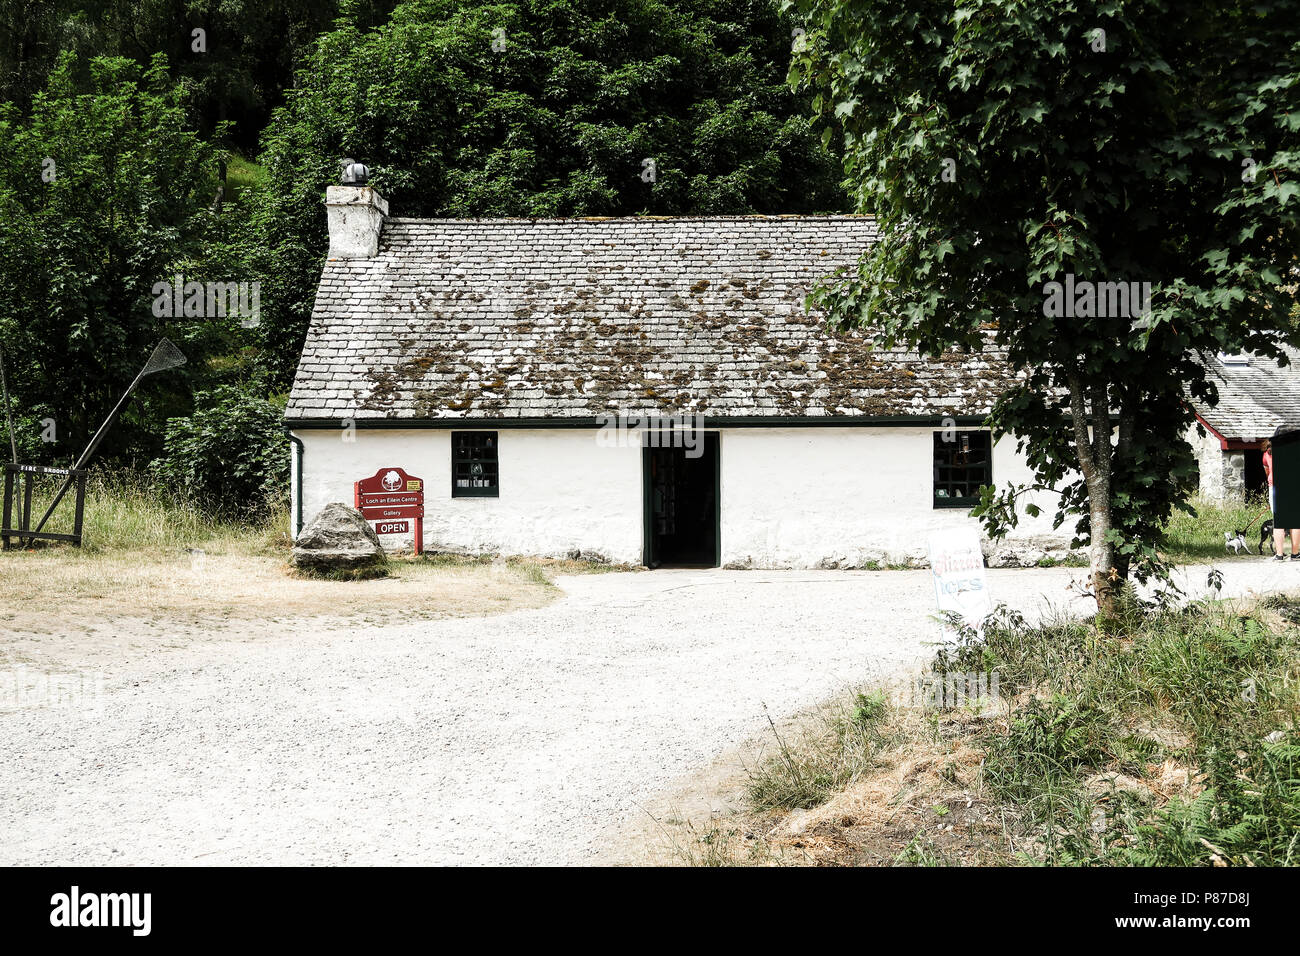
(229, 454)
(236, 70)
(537, 108)
(101, 196)
(1005, 145)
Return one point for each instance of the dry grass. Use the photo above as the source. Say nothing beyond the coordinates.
(61, 609)
(156, 573)
(914, 797)
(52, 590)
(150, 556)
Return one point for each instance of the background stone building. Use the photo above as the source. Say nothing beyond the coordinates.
(1256, 397)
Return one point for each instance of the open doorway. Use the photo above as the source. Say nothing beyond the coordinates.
(1256, 479)
(682, 512)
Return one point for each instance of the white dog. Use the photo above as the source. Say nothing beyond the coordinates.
(1235, 541)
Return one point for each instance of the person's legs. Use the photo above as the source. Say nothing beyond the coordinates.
(1279, 534)
(1295, 544)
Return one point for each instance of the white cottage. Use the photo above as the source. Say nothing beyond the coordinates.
(536, 375)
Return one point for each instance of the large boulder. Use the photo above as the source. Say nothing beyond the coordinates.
(338, 539)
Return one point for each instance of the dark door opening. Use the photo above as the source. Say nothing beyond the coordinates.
(681, 506)
(1256, 479)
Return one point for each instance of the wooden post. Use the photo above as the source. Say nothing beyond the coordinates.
(27, 505)
(81, 506)
(9, 500)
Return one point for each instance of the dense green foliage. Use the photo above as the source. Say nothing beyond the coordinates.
(228, 455)
(236, 71)
(102, 190)
(1005, 145)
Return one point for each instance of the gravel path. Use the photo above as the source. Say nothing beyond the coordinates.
(520, 738)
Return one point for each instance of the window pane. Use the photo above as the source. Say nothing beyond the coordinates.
(962, 465)
(474, 465)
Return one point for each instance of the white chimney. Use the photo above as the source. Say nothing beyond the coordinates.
(356, 214)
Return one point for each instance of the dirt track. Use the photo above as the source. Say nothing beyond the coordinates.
(527, 737)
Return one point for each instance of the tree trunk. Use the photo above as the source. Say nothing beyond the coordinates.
(1106, 577)
(1094, 451)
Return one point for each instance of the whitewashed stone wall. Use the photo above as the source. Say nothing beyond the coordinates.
(560, 493)
(847, 497)
(1222, 473)
(791, 497)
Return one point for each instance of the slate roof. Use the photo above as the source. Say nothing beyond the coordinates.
(566, 319)
(1254, 399)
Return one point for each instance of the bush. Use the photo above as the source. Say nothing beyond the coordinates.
(230, 456)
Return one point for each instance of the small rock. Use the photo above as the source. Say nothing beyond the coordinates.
(797, 822)
(591, 557)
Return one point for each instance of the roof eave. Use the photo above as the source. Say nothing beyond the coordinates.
(709, 421)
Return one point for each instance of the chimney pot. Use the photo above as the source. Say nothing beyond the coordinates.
(354, 173)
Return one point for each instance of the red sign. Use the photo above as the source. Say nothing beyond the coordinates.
(392, 499)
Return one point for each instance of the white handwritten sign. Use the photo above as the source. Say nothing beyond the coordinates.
(957, 563)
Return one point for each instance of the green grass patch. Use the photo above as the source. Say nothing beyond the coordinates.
(1219, 683)
(242, 175)
(1192, 538)
(126, 511)
(1220, 680)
